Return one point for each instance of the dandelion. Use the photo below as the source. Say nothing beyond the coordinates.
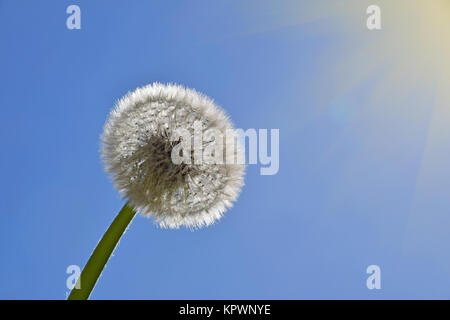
(138, 144)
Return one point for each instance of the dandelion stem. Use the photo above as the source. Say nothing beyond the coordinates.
(101, 254)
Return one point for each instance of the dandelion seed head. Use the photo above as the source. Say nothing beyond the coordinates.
(137, 146)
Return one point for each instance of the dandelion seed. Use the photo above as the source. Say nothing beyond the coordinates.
(137, 148)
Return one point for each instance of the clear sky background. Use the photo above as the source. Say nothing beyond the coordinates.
(364, 147)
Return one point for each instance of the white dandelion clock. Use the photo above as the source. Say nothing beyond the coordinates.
(140, 143)
(137, 148)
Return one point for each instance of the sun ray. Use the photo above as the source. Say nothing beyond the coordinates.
(413, 47)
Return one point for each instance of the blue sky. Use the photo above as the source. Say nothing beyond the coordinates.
(351, 190)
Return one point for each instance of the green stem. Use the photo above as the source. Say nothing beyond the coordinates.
(101, 254)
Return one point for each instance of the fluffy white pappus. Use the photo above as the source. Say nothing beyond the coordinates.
(136, 149)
